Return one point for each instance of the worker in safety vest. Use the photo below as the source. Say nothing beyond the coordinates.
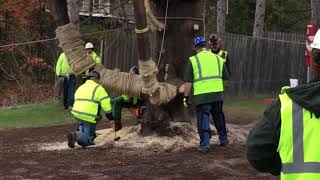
(206, 73)
(88, 98)
(286, 141)
(64, 71)
(90, 51)
(215, 43)
(128, 102)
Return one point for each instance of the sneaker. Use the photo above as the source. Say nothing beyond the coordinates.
(203, 150)
(71, 139)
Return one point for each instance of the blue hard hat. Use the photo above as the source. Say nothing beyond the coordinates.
(134, 70)
(199, 41)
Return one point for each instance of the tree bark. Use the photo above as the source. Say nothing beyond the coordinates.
(141, 23)
(221, 16)
(259, 18)
(73, 11)
(59, 11)
(315, 13)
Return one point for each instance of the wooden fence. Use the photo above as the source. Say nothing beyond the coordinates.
(258, 65)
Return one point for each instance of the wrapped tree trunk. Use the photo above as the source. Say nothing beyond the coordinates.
(176, 50)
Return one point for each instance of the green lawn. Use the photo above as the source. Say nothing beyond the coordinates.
(252, 107)
(52, 113)
(35, 115)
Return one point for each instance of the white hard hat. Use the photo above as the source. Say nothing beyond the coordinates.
(316, 41)
(89, 45)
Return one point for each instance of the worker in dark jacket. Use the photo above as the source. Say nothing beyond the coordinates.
(286, 141)
(215, 43)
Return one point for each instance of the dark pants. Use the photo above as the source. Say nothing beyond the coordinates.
(219, 121)
(86, 133)
(203, 123)
(69, 84)
(118, 103)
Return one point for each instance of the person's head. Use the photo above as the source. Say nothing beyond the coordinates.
(199, 43)
(134, 70)
(315, 56)
(89, 47)
(93, 75)
(214, 41)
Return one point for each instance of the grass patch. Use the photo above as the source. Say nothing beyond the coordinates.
(34, 115)
(249, 108)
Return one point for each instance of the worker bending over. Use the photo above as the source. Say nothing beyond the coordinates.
(128, 102)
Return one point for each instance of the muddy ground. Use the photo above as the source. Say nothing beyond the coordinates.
(21, 159)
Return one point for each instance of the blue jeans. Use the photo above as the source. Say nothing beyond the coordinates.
(203, 123)
(219, 121)
(69, 85)
(86, 133)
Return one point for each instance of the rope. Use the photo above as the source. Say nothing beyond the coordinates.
(140, 31)
(163, 34)
(53, 39)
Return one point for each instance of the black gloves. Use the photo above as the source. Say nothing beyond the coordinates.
(109, 116)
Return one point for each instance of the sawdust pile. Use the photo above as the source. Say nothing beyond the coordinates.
(130, 138)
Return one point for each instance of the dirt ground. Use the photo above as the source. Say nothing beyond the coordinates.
(21, 159)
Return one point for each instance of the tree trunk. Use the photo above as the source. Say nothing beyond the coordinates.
(173, 60)
(73, 11)
(221, 16)
(259, 18)
(59, 11)
(315, 16)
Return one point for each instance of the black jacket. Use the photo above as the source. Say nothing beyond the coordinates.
(263, 139)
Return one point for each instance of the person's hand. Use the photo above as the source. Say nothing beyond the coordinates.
(226, 84)
(186, 101)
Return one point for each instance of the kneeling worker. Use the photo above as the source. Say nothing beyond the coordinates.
(88, 97)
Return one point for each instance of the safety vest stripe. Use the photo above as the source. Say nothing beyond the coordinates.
(104, 98)
(308, 167)
(94, 92)
(199, 66)
(207, 78)
(298, 165)
(83, 113)
(200, 70)
(87, 100)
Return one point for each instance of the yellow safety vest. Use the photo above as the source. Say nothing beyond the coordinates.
(207, 73)
(95, 58)
(299, 142)
(88, 97)
(223, 54)
(63, 68)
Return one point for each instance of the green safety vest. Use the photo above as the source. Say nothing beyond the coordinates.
(299, 142)
(63, 68)
(95, 58)
(207, 73)
(88, 97)
(127, 99)
(223, 54)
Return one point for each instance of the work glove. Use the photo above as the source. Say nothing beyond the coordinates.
(109, 116)
(186, 101)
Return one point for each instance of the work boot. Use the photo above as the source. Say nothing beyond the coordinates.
(72, 137)
(117, 125)
(225, 143)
